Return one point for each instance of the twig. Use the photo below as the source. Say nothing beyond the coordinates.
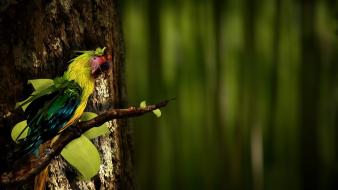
(34, 166)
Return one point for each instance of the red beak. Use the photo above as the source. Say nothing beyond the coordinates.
(100, 64)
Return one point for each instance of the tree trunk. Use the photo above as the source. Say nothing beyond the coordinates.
(309, 81)
(37, 38)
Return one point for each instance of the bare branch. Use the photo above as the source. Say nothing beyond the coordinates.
(34, 166)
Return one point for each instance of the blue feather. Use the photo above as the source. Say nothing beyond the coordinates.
(49, 113)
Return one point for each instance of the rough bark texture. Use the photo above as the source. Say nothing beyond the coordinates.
(37, 38)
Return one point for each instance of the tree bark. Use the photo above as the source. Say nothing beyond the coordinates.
(37, 39)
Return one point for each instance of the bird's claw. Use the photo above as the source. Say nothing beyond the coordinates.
(48, 151)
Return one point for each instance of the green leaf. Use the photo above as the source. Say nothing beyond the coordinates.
(40, 84)
(87, 116)
(83, 156)
(143, 104)
(18, 129)
(157, 112)
(95, 131)
(18, 104)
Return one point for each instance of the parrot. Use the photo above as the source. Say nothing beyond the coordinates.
(60, 105)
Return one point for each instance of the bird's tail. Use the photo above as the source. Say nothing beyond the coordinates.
(41, 179)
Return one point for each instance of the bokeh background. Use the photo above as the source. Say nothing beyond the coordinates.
(256, 87)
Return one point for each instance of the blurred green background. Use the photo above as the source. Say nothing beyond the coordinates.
(256, 84)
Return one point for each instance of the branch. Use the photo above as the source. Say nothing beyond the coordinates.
(33, 167)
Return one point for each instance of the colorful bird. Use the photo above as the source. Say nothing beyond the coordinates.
(60, 105)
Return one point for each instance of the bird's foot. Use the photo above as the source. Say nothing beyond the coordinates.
(48, 150)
